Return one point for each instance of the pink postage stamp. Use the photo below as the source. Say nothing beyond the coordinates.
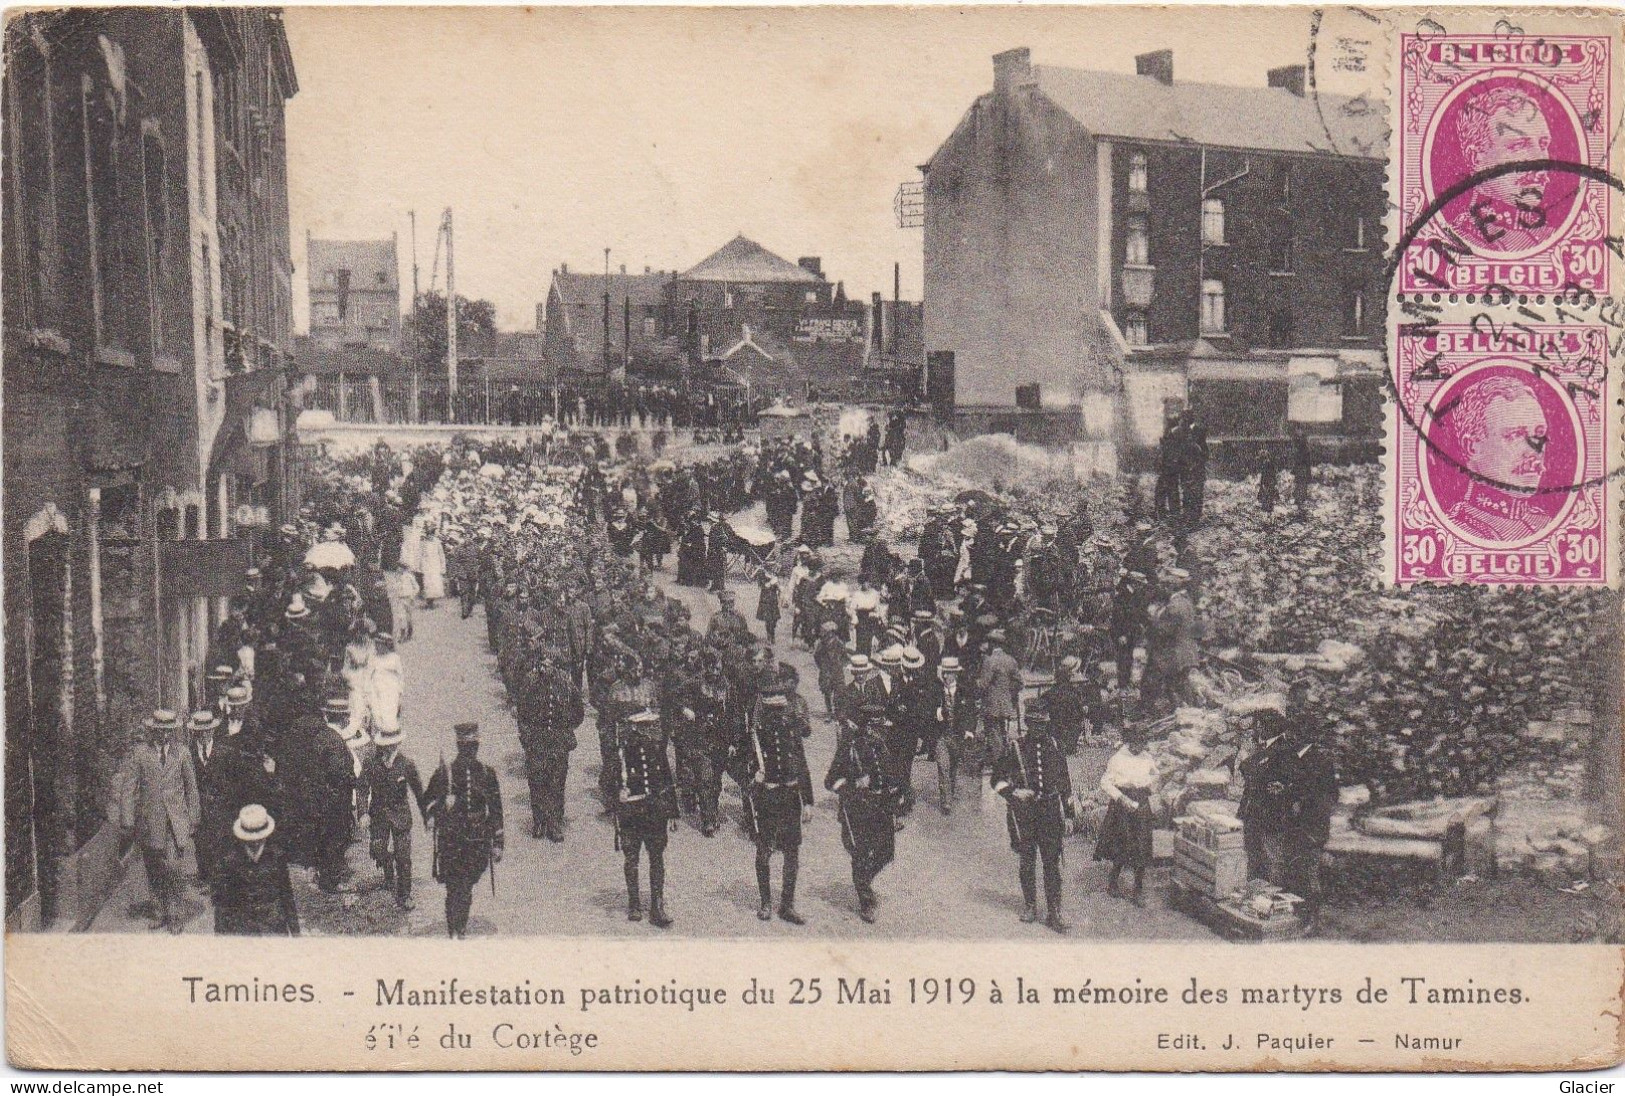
(1503, 161)
(1501, 456)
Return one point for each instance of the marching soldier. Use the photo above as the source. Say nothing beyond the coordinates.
(389, 785)
(464, 804)
(1032, 776)
(549, 711)
(255, 895)
(860, 774)
(778, 797)
(646, 807)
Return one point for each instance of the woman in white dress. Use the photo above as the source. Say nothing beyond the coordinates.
(1129, 782)
(433, 567)
(403, 594)
(412, 546)
(387, 686)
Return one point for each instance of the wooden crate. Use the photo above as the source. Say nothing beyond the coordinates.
(1232, 922)
(1214, 872)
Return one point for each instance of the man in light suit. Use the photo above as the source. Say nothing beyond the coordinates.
(160, 811)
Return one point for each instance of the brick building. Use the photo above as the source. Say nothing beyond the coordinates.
(1103, 247)
(355, 293)
(147, 297)
(593, 323)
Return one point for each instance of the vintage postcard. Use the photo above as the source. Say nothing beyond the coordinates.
(812, 538)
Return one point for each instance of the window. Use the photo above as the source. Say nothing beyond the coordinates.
(153, 173)
(1137, 173)
(812, 296)
(33, 196)
(648, 327)
(105, 210)
(1212, 221)
(1283, 182)
(1134, 329)
(1283, 329)
(1137, 246)
(1359, 243)
(1355, 317)
(1213, 306)
(1281, 251)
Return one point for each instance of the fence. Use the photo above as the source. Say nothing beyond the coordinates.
(481, 401)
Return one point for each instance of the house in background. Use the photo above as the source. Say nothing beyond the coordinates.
(355, 294)
(596, 324)
(1101, 248)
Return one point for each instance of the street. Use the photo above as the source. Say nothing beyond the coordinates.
(954, 876)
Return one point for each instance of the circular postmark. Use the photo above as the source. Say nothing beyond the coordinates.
(1557, 380)
(1496, 439)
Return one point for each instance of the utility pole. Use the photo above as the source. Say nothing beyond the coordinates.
(606, 311)
(417, 347)
(451, 315)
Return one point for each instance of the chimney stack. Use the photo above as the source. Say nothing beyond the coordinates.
(623, 270)
(1159, 65)
(812, 264)
(646, 270)
(1012, 68)
(1290, 77)
(564, 268)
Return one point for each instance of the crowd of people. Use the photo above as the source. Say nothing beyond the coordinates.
(295, 744)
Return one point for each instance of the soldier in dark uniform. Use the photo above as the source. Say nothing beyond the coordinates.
(778, 797)
(464, 804)
(254, 895)
(1287, 801)
(389, 785)
(860, 774)
(549, 711)
(645, 808)
(1032, 776)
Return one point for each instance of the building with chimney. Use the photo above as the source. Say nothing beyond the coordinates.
(147, 415)
(355, 294)
(1102, 248)
(595, 325)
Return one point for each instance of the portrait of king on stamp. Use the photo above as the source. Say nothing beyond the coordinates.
(1510, 136)
(1500, 477)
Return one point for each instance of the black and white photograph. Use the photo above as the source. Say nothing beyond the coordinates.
(763, 475)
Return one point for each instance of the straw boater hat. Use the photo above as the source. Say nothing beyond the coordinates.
(829, 626)
(891, 656)
(858, 661)
(254, 823)
(203, 721)
(949, 664)
(162, 719)
(296, 608)
(912, 658)
(238, 696)
(221, 673)
(337, 705)
(387, 735)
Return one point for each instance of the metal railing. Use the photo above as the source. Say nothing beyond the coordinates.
(484, 402)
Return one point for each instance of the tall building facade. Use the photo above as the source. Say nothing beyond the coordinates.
(1101, 248)
(355, 294)
(147, 297)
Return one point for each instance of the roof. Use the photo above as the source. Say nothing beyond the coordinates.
(743, 260)
(1120, 104)
(372, 263)
(642, 289)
